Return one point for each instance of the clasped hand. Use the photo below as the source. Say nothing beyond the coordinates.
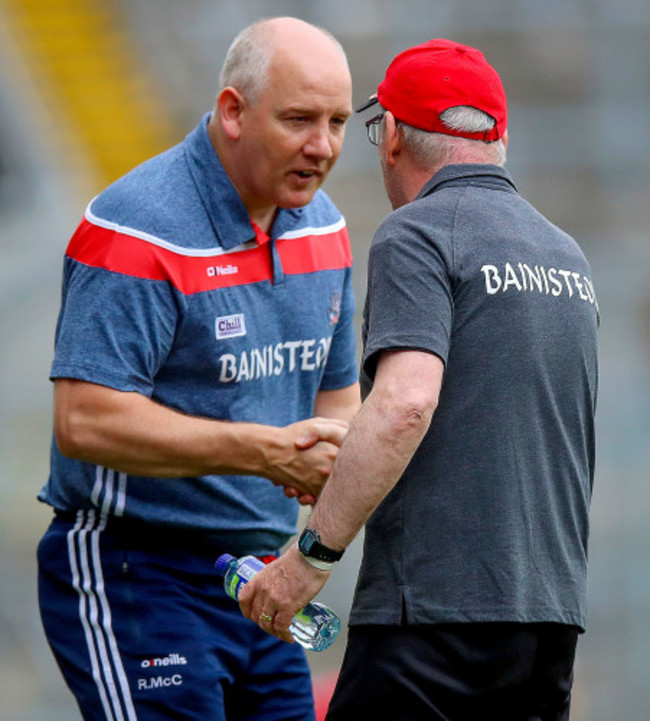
(305, 460)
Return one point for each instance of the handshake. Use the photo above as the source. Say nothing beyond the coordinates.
(300, 459)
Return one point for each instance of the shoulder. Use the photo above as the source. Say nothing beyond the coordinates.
(413, 221)
(158, 198)
(147, 184)
(321, 211)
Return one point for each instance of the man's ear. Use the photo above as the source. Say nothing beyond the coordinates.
(392, 140)
(230, 107)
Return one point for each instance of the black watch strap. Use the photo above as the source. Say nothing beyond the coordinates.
(309, 544)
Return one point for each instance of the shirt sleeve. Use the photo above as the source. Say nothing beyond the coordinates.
(342, 366)
(409, 303)
(113, 329)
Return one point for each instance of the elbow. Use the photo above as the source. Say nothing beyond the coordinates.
(412, 415)
(88, 421)
(71, 436)
(407, 389)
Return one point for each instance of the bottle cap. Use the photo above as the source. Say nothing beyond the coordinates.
(221, 564)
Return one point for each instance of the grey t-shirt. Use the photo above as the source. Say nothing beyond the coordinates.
(489, 522)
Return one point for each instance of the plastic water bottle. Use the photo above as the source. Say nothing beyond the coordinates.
(315, 627)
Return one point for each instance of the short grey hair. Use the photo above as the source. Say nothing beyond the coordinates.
(436, 149)
(247, 62)
(248, 59)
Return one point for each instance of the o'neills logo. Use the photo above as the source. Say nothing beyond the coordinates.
(173, 659)
(229, 269)
(230, 326)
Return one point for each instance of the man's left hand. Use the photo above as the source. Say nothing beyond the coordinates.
(275, 595)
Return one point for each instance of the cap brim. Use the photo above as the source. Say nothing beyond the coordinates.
(372, 100)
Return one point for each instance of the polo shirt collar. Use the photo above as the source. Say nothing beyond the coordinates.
(227, 213)
(461, 174)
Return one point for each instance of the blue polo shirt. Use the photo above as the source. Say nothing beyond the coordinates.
(170, 291)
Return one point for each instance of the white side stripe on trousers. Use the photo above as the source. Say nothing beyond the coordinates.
(95, 616)
(104, 493)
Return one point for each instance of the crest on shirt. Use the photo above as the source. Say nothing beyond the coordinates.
(334, 311)
(230, 326)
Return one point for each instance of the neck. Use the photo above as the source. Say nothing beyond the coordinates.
(263, 218)
(262, 215)
(408, 185)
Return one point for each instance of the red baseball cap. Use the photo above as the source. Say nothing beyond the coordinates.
(427, 79)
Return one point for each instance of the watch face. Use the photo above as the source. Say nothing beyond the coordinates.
(310, 545)
(307, 540)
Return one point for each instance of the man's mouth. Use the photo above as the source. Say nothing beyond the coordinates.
(309, 173)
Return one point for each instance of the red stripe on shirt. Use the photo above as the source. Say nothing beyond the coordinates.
(311, 253)
(120, 252)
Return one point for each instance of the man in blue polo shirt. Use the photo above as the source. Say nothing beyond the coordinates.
(472, 457)
(204, 378)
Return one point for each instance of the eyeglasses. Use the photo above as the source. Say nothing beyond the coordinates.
(372, 127)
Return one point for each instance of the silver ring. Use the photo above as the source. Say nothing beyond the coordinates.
(266, 617)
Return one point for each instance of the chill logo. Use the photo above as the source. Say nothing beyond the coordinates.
(230, 326)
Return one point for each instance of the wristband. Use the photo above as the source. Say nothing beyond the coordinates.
(320, 565)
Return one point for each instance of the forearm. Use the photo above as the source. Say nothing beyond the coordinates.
(369, 464)
(383, 437)
(133, 434)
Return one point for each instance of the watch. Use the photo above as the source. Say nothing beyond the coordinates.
(311, 547)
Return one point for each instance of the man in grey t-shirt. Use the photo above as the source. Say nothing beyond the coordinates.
(472, 457)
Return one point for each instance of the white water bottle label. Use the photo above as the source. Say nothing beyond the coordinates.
(246, 569)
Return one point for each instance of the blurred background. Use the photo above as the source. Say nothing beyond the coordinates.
(89, 88)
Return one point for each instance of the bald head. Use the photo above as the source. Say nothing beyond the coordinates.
(279, 120)
(252, 52)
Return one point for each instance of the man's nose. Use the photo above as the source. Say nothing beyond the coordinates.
(320, 143)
